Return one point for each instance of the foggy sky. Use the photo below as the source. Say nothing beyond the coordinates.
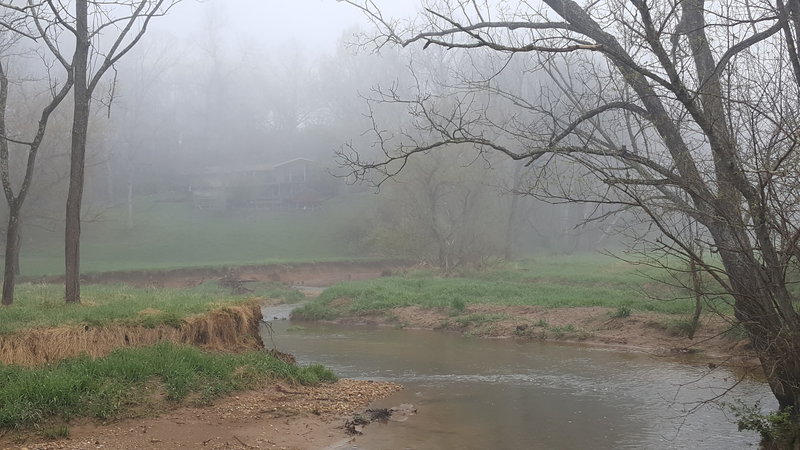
(315, 24)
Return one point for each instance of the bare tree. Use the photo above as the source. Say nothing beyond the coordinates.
(686, 108)
(104, 31)
(442, 212)
(16, 21)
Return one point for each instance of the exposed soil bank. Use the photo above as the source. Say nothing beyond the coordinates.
(657, 334)
(309, 274)
(231, 329)
(279, 416)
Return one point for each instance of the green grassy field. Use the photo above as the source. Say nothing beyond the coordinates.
(124, 383)
(170, 235)
(557, 281)
(42, 305)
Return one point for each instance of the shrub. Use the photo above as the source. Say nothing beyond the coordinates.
(773, 427)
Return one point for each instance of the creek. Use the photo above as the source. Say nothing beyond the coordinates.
(474, 393)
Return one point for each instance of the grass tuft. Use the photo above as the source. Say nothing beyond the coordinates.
(56, 432)
(621, 313)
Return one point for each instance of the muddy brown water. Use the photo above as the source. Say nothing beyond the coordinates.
(476, 393)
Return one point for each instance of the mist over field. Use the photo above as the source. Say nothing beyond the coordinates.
(213, 141)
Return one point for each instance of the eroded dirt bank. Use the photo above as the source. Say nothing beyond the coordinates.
(279, 416)
(232, 329)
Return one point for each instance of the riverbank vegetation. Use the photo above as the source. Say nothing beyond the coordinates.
(550, 282)
(135, 382)
(594, 299)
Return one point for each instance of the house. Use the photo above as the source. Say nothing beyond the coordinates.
(253, 185)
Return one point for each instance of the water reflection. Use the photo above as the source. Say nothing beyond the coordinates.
(479, 393)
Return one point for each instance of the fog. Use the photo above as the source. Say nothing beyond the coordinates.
(237, 109)
(315, 25)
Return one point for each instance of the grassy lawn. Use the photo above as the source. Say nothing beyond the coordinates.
(170, 235)
(558, 281)
(129, 381)
(42, 305)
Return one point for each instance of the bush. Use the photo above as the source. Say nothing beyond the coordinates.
(773, 427)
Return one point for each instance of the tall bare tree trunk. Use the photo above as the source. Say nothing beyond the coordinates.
(17, 267)
(11, 256)
(697, 287)
(15, 201)
(80, 126)
(9, 278)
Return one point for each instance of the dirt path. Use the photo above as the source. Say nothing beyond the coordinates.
(281, 416)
